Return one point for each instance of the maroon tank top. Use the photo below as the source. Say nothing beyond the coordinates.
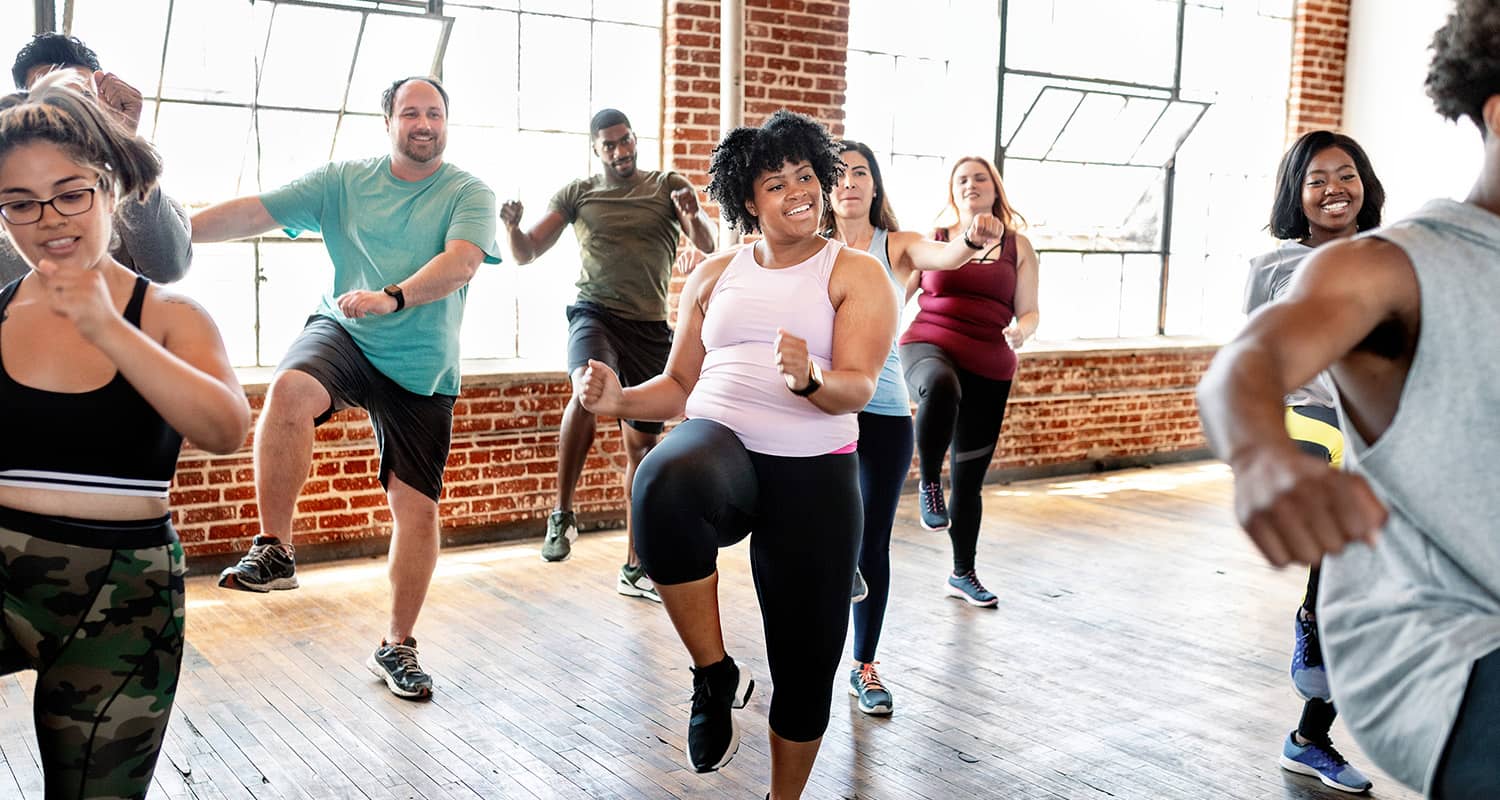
(964, 310)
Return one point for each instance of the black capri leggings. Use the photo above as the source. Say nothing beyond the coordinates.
(962, 412)
(885, 444)
(700, 489)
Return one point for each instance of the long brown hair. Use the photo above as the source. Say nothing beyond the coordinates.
(881, 213)
(55, 112)
(1009, 217)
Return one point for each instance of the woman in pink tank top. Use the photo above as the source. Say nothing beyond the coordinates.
(959, 358)
(777, 348)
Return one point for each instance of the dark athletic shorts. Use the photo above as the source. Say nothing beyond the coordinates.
(636, 350)
(412, 431)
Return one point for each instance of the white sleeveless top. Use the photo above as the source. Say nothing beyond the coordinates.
(739, 386)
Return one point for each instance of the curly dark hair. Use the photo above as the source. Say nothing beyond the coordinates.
(52, 49)
(1465, 67)
(745, 153)
(1288, 220)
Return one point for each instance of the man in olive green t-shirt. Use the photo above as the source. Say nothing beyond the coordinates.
(627, 222)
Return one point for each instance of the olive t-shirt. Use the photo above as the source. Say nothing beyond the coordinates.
(628, 237)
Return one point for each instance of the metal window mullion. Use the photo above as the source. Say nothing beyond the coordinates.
(359, 40)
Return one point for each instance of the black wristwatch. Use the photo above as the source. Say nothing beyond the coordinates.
(969, 243)
(394, 290)
(814, 380)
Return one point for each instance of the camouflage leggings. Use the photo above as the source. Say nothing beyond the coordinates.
(102, 624)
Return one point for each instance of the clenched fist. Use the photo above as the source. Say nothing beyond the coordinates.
(792, 360)
(598, 389)
(510, 213)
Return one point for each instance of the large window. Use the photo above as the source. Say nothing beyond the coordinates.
(243, 97)
(1132, 165)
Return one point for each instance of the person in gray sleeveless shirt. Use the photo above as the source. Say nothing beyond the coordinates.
(1402, 317)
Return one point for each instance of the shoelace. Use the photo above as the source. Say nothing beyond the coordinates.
(259, 552)
(870, 679)
(406, 658)
(932, 498)
(973, 581)
(1333, 755)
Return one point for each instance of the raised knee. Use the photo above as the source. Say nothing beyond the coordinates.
(295, 395)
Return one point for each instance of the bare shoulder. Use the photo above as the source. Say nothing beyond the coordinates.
(166, 310)
(1024, 250)
(856, 264)
(1369, 268)
(702, 280)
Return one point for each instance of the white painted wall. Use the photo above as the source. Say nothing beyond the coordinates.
(1417, 154)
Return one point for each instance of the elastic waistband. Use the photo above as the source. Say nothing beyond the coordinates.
(129, 534)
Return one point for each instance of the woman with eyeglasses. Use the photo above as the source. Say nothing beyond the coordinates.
(959, 354)
(102, 374)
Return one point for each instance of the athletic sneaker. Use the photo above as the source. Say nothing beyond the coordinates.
(713, 737)
(562, 529)
(269, 565)
(967, 588)
(861, 589)
(864, 683)
(396, 664)
(633, 582)
(1309, 676)
(934, 510)
(1321, 761)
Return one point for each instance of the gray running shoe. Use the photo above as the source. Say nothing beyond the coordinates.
(562, 529)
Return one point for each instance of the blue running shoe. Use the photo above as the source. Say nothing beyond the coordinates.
(967, 588)
(1321, 761)
(934, 515)
(1309, 677)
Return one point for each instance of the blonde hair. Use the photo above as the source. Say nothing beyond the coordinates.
(55, 112)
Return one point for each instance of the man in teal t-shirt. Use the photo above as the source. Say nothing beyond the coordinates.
(405, 232)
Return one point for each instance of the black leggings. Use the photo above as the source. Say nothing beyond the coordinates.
(1467, 769)
(960, 412)
(700, 489)
(885, 444)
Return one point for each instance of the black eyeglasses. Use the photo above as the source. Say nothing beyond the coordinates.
(69, 204)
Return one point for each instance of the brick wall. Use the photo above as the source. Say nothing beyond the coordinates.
(1320, 38)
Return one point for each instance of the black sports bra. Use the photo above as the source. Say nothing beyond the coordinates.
(105, 441)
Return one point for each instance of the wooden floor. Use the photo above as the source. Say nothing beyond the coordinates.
(1139, 651)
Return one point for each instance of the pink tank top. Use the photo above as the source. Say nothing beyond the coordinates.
(739, 386)
(963, 311)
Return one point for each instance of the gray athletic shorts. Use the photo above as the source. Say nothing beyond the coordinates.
(412, 431)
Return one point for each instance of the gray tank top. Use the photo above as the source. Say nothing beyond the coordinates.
(1403, 621)
(1270, 276)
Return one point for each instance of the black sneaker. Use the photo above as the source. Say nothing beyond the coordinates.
(934, 510)
(713, 737)
(269, 565)
(397, 665)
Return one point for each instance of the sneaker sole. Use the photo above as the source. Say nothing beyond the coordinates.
(742, 694)
(374, 667)
(571, 536)
(964, 596)
(881, 710)
(1302, 769)
(630, 591)
(927, 527)
(237, 583)
(858, 598)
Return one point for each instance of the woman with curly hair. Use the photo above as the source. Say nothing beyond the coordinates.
(1326, 191)
(1402, 318)
(91, 571)
(778, 346)
(861, 217)
(959, 356)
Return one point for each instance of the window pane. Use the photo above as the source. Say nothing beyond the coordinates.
(1140, 295)
(1043, 122)
(918, 188)
(293, 143)
(641, 12)
(1091, 134)
(627, 74)
(212, 51)
(362, 136)
(489, 329)
(554, 91)
(1164, 139)
(1084, 38)
(308, 57)
(1087, 207)
(571, 8)
(546, 286)
(207, 153)
(479, 68)
(222, 279)
(16, 24)
(921, 132)
(126, 36)
(296, 275)
(390, 48)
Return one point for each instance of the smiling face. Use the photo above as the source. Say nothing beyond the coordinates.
(973, 189)
(419, 125)
(855, 191)
(788, 202)
(1332, 196)
(40, 171)
(615, 147)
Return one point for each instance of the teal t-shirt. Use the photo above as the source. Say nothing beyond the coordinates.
(380, 230)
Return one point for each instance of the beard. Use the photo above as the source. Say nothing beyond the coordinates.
(423, 153)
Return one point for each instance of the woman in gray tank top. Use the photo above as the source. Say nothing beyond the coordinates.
(1326, 191)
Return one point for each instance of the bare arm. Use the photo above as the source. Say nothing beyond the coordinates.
(1291, 504)
(864, 325)
(1028, 317)
(665, 396)
(156, 237)
(691, 216)
(912, 251)
(232, 219)
(444, 274)
(528, 246)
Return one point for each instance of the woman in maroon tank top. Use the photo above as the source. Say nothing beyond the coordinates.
(959, 358)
